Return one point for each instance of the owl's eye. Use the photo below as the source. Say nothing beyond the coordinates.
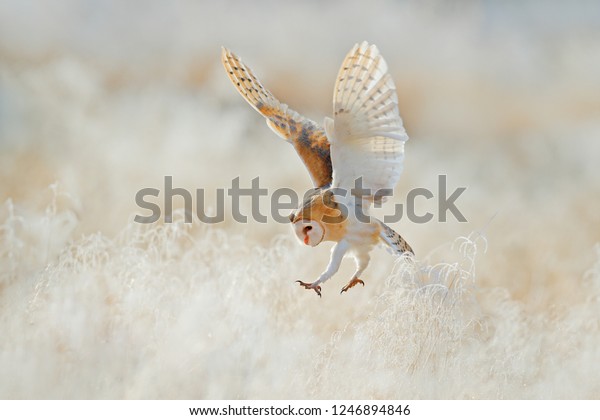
(306, 229)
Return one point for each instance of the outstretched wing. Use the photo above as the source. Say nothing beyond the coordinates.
(307, 137)
(366, 135)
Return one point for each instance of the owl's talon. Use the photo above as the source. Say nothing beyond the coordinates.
(351, 284)
(309, 286)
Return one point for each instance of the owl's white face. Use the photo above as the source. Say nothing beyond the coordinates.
(310, 232)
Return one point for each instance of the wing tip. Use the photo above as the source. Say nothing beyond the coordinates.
(225, 52)
(365, 46)
(226, 56)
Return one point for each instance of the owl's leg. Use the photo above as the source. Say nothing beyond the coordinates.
(337, 253)
(362, 261)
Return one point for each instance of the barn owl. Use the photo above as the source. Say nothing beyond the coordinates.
(363, 141)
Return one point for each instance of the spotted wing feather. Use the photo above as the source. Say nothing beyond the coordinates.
(307, 137)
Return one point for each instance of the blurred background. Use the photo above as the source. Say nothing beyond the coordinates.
(99, 99)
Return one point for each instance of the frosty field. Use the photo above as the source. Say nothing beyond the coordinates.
(101, 99)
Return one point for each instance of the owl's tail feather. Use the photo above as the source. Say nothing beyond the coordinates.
(395, 243)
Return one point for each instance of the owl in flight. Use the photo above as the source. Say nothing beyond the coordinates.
(353, 162)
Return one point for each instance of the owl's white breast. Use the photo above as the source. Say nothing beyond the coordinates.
(361, 236)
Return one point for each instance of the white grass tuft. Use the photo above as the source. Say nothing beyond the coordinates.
(184, 311)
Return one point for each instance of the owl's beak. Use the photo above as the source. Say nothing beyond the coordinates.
(305, 232)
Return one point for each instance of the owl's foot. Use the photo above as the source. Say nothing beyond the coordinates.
(351, 284)
(314, 286)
